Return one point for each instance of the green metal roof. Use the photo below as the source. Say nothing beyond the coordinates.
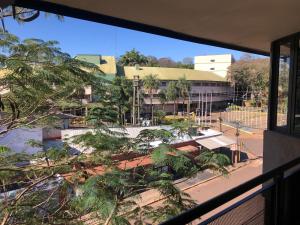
(107, 64)
(163, 73)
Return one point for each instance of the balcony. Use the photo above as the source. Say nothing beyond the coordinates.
(272, 200)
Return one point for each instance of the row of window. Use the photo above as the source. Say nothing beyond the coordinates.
(210, 94)
(205, 83)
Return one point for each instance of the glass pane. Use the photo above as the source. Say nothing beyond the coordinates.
(283, 84)
(297, 97)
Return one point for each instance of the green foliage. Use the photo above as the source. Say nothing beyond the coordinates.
(37, 77)
(159, 115)
(251, 75)
(151, 85)
(146, 136)
(182, 127)
(98, 187)
(162, 95)
(214, 161)
(132, 58)
(180, 163)
(172, 93)
(121, 96)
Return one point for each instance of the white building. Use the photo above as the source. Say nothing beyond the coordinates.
(213, 63)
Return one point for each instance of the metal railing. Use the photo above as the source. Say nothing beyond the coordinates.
(271, 185)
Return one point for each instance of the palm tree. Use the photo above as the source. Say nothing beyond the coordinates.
(184, 87)
(172, 93)
(162, 98)
(151, 84)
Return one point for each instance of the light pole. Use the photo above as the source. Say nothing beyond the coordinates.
(136, 100)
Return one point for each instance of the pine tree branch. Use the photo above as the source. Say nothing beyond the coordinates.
(8, 214)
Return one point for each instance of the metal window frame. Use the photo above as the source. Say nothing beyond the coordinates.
(293, 39)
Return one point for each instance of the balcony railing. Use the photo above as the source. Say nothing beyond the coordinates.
(274, 197)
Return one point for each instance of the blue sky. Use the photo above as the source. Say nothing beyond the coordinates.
(83, 37)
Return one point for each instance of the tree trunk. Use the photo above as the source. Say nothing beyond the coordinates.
(189, 106)
(183, 111)
(174, 108)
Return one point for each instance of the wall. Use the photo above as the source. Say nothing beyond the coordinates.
(279, 149)
(219, 63)
(51, 133)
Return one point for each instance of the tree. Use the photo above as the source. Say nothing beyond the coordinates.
(151, 84)
(58, 187)
(121, 96)
(132, 58)
(152, 61)
(35, 78)
(184, 87)
(251, 75)
(162, 98)
(172, 93)
(166, 62)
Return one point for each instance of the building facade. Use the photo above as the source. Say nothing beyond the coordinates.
(205, 85)
(218, 64)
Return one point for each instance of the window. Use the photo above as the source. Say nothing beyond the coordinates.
(212, 68)
(197, 84)
(297, 96)
(163, 83)
(212, 60)
(284, 65)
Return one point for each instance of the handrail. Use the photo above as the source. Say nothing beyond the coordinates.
(198, 211)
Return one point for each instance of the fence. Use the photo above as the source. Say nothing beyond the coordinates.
(252, 117)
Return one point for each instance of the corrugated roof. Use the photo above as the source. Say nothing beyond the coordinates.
(108, 63)
(171, 73)
(216, 142)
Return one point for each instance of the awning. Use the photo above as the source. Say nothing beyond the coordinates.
(216, 142)
(241, 25)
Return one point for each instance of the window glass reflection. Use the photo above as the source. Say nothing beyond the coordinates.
(283, 84)
(297, 97)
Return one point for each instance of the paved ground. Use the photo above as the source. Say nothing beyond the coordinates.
(253, 142)
(220, 185)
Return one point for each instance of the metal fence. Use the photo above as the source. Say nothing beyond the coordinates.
(252, 117)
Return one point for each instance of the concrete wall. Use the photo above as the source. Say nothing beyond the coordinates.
(51, 133)
(213, 63)
(279, 149)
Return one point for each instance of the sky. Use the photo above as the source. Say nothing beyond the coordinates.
(83, 37)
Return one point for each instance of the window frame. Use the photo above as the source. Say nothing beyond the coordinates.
(274, 79)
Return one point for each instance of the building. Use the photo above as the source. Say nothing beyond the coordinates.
(218, 64)
(270, 28)
(107, 64)
(204, 84)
